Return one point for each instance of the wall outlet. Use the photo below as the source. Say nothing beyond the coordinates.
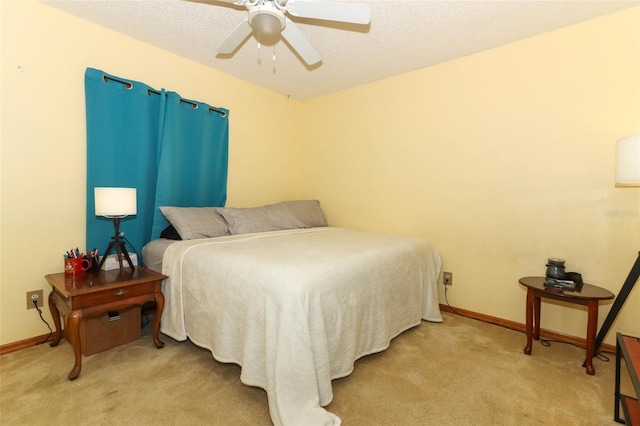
(447, 278)
(34, 295)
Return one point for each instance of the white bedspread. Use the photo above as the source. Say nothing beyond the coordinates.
(297, 308)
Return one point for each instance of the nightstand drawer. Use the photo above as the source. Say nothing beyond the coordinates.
(115, 294)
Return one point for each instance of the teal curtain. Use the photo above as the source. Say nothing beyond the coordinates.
(190, 136)
(173, 151)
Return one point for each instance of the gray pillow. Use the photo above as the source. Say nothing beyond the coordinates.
(196, 222)
(274, 217)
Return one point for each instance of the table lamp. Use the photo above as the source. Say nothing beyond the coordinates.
(115, 203)
(627, 175)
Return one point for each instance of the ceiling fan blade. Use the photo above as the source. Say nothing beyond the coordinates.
(355, 13)
(236, 2)
(300, 44)
(236, 38)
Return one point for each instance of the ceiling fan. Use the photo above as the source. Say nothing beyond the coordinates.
(267, 20)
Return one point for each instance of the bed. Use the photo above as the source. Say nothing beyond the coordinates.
(295, 303)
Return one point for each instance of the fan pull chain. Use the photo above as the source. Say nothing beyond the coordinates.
(274, 59)
(259, 56)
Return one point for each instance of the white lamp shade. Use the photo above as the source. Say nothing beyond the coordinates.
(115, 202)
(628, 161)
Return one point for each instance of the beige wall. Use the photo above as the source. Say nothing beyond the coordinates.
(44, 56)
(501, 159)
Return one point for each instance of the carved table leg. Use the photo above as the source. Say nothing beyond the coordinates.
(536, 317)
(592, 323)
(156, 321)
(55, 314)
(529, 321)
(73, 335)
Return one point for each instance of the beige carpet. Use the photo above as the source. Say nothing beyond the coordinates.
(459, 372)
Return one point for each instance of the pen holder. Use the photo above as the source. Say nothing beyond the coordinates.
(76, 266)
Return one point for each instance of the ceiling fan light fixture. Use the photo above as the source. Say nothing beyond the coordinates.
(269, 22)
(266, 21)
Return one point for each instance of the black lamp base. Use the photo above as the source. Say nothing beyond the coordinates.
(118, 245)
(121, 251)
(631, 280)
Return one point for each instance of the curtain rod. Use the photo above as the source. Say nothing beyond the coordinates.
(129, 86)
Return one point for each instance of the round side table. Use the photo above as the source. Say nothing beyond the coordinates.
(587, 294)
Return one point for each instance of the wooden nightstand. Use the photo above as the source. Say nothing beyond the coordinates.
(95, 293)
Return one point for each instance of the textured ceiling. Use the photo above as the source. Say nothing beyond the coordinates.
(403, 35)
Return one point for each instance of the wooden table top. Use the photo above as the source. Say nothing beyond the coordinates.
(94, 281)
(586, 292)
